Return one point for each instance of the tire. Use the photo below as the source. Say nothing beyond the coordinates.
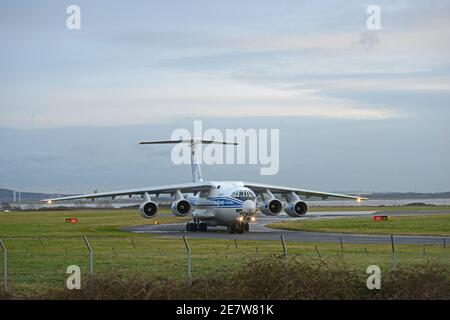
(192, 226)
(203, 227)
(232, 228)
(246, 227)
(240, 228)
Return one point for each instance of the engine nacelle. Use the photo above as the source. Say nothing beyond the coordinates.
(181, 208)
(148, 209)
(271, 208)
(296, 209)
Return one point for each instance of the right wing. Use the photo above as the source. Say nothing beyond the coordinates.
(192, 187)
(260, 187)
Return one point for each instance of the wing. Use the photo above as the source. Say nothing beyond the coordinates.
(157, 190)
(260, 187)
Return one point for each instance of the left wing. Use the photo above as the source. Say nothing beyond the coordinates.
(260, 187)
(168, 189)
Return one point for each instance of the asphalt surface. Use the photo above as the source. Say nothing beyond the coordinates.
(260, 231)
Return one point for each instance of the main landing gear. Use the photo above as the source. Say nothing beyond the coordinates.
(196, 226)
(238, 227)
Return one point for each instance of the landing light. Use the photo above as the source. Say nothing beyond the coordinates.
(253, 219)
(359, 200)
(241, 218)
(49, 201)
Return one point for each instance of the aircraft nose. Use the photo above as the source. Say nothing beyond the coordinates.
(249, 207)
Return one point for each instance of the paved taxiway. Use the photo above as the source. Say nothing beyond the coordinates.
(260, 231)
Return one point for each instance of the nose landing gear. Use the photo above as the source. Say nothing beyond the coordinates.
(238, 227)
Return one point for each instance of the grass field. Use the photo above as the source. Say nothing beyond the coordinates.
(436, 225)
(41, 245)
(380, 208)
(109, 222)
(91, 222)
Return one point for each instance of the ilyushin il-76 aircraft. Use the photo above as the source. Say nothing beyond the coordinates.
(233, 204)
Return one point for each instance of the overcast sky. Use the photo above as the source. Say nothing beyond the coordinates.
(357, 109)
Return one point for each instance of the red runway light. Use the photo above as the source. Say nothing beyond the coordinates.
(72, 220)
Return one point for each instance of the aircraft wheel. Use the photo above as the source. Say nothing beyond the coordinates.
(240, 228)
(246, 227)
(232, 228)
(203, 227)
(192, 226)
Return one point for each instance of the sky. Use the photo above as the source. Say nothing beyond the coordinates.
(357, 109)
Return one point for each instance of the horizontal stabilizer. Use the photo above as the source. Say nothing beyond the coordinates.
(191, 141)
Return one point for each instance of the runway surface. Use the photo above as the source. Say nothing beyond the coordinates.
(260, 231)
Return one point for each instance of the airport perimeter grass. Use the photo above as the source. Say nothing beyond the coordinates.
(381, 208)
(41, 245)
(90, 222)
(435, 225)
(109, 222)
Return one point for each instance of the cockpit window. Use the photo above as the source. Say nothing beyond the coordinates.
(244, 195)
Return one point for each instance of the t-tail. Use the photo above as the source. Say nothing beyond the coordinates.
(193, 143)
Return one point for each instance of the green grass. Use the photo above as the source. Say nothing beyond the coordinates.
(380, 208)
(34, 267)
(109, 222)
(41, 245)
(91, 222)
(436, 225)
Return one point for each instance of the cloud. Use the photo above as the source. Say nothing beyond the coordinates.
(213, 98)
(423, 83)
(368, 40)
(297, 61)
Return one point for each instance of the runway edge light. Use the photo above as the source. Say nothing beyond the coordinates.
(72, 220)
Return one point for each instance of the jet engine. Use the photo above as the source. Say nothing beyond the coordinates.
(296, 209)
(148, 209)
(181, 208)
(271, 208)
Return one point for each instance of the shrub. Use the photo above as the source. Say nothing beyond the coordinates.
(268, 279)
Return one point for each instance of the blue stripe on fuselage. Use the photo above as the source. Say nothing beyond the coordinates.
(226, 202)
(222, 202)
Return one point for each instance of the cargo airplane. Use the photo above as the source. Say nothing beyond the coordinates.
(211, 203)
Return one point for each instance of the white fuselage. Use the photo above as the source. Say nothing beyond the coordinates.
(224, 204)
